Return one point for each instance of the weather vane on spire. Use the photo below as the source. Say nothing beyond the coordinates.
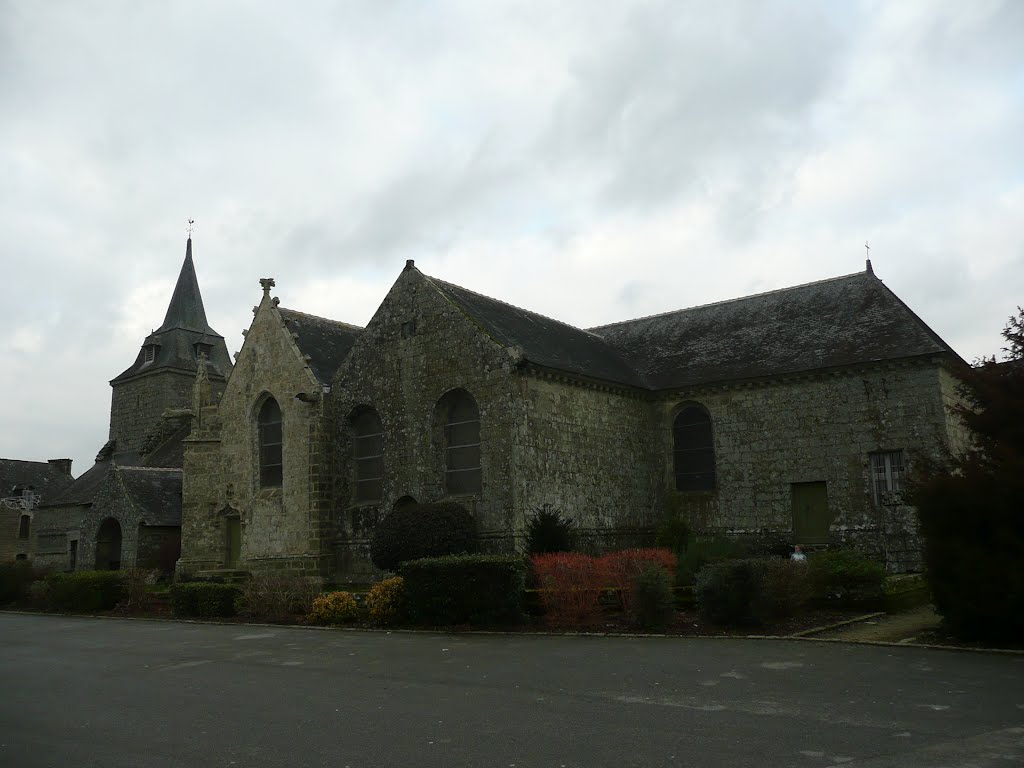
(867, 249)
(191, 222)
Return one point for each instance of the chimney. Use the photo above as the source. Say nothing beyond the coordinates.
(61, 465)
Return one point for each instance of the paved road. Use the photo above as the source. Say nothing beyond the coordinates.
(108, 692)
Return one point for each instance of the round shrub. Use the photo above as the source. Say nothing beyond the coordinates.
(385, 601)
(334, 608)
(754, 591)
(422, 530)
(547, 531)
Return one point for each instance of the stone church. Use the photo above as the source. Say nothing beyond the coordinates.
(793, 414)
(125, 510)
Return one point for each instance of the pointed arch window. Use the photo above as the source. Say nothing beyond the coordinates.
(271, 440)
(461, 419)
(368, 455)
(693, 449)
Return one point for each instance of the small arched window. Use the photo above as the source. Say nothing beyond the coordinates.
(368, 455)
(23, 526)
(270, 436)
(461, 419)
(693, 450)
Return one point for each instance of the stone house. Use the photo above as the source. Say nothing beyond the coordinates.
(793, 414)
(126, 509)
(23, 486)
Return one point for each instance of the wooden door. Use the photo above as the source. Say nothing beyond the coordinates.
(234, 541)
(811, 515)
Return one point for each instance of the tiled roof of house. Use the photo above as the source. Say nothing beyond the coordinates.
(45, 479)
(327, 342)
(543, 341)
(837, 322)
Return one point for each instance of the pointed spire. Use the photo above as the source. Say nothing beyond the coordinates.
(186, 307)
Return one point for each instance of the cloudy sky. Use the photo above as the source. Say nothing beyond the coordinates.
(592, 166)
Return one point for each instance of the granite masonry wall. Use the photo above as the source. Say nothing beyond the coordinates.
(417, 347)
(282, 528)
(136, 405)
(818, 428)
(591, 453)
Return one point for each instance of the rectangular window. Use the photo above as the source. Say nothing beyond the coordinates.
(887, 473)
(23, 527)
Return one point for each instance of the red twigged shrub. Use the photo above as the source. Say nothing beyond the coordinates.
(570, 585)
(622, 568)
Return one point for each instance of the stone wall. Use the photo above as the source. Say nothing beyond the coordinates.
(590, 453)
(136, 405)
(11, 544)
(282, 528)
(417, 347)
(816, 428)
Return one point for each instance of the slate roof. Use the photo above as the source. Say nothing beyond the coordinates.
(84, 489)
(183, 327)
(543, 341)
(327, 342)
(170, 453)
(45, 479)
(154, 492)
(836, 322)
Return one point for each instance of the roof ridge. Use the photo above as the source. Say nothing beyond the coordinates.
(135, 468)
(320, 317)
(728, 301)
(513, 306)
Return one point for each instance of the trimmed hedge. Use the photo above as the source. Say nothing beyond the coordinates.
(422, 530)
(85, 591)
(752, 591)
(465, 589)
(14, 580)
(846, 577)
(203, 599)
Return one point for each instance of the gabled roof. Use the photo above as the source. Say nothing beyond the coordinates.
(183, 328)
(44, 478)
(327, 342)
(154, 492)
(542, 341)
(837, 322)
(84, 489)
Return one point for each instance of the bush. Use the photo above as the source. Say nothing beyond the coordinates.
(465, 589)
(85, 591)
(547, 531)
(847, 577)
(334, 608)
(422, 530)
(752, 591)
(620, 569)
(14, 581)
(203, 599)
(652, 597)
(276, 596)
(570, 586)
(385, 602)
(705, 550)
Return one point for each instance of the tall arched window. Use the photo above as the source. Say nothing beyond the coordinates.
(270, 434)
(693, 450)
(368, 455)
(461, 419)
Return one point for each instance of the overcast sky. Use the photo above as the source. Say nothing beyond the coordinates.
(592, 161)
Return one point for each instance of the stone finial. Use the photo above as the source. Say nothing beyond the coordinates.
(202, 391)
(410, 264)
(266, 283)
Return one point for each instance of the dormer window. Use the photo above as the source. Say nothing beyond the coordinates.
(148, 354)
(202, 350)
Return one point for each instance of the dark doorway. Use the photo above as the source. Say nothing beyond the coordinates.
(405, 501)
(811, 515)
(108, 546)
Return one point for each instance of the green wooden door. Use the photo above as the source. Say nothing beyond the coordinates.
(234, 540)
(811, 516)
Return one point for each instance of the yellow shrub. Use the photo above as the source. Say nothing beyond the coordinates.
(384, 600)
(334, 608)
